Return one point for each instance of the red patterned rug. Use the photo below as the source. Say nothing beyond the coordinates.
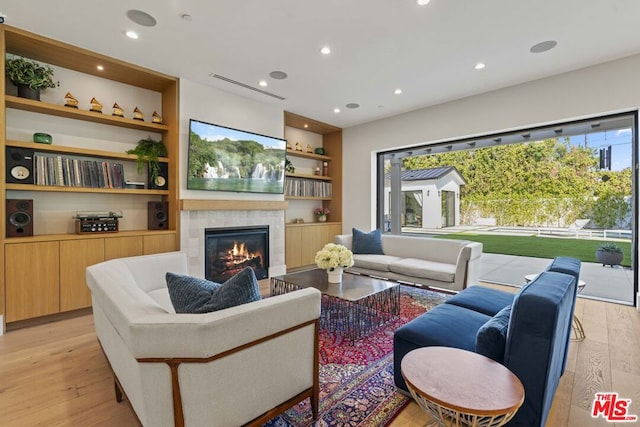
(356, 378)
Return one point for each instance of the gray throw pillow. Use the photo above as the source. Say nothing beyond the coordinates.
(367, 243)
(193, 295)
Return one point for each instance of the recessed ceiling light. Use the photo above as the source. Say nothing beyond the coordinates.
(100, 67)
(479, 66)
(543, 46)
(336, 110)
(186, 17)
(352, 105)
(131, 34)
(397, 91)
(325, 50)
(423, 2)
(262, 83)
(278, 75)
(306, 125)
(141, 18)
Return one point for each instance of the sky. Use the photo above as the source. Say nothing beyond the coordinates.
(620, 141)
(213, 132)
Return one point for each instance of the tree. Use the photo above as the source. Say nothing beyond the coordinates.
(549, 182)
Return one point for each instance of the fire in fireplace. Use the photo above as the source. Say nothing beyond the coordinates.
(229, 250)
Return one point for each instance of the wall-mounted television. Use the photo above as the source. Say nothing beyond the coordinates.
(227, 159)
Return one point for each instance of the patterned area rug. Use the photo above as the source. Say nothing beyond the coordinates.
(356, 378)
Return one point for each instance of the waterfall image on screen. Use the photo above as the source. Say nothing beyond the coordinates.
(226, 159)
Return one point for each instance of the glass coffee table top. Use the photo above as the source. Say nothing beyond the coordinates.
(354, 287)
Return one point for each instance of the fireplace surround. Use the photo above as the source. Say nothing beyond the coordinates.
(197, 215)
(228, 250)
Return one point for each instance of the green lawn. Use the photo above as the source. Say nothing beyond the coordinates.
(540, 247)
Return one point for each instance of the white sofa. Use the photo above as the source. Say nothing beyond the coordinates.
(439, 263)
(241, 365)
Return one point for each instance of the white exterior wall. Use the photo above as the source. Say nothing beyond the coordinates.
(601, 89)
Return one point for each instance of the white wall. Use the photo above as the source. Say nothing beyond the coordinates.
(215, 106)
(212, 105)
(601, 89)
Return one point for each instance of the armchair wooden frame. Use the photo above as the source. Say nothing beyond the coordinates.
(312, 392)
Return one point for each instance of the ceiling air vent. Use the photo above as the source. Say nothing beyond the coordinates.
(246, 86)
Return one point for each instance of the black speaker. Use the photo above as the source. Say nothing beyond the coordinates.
(158, 216)
(19, 166)
(19, 217)
(162, 180)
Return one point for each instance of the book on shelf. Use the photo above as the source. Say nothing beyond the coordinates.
(300, 187)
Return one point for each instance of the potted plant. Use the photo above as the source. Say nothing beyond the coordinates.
(321, 214)
(609, 254)
(148, 151)
(334, 258)
(29, 76)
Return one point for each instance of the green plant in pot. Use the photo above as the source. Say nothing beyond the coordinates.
(29, 76)
(609, 254)
(148, 151)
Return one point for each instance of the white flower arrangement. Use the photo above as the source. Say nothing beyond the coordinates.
(333, 256)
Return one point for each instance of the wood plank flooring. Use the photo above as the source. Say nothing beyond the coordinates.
(56, 375)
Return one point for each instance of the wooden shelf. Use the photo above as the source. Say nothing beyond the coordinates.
(305, 155)
(57, 237)
(61, 189)
(308, 176)
(310, 224)
(77, 114)
(76, 151)
(307, 198)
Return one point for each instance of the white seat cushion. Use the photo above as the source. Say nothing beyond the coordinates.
(374, 262)
(424, 269)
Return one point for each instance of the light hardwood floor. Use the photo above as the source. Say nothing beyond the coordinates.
(56, 375)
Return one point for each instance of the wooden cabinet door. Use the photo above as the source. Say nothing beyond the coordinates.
(122, 247)
(159, 243)
(75, 257)
(293, 247)
(312, 242)
(32, 280)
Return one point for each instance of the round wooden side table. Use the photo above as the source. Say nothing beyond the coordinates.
(461, 388)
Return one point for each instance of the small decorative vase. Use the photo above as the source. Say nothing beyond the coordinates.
(335, 276)
(322, 218)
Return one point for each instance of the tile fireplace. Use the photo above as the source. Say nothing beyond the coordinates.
(228, 250)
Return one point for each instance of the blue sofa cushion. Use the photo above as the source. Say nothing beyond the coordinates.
(444, 325)
(190, 295)
(367, 243)
(482, 299)
(492, 336)
(566, 265)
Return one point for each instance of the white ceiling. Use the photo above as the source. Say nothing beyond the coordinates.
(377, 45)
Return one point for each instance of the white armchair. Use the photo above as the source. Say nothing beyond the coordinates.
(242, 365)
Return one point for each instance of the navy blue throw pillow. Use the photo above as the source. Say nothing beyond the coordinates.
(367, 243)
(492, 336)
(193, 295)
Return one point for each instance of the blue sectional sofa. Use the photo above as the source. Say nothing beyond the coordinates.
(528, 332)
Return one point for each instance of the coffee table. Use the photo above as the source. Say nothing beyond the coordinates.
(462, 388)
(355, 307)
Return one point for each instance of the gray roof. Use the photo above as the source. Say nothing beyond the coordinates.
(425, 174)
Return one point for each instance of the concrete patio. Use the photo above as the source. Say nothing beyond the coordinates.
(602, 283)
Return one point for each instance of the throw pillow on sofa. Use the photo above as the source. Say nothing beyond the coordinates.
(367, 243)
(492, 336)
(192, 295)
